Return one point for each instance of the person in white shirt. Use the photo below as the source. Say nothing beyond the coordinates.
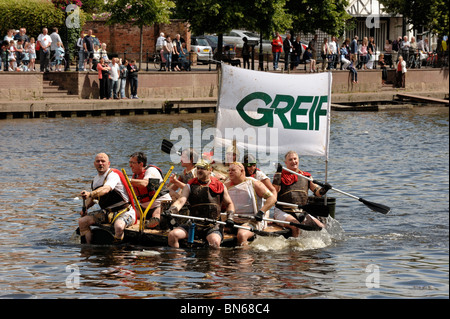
(45, 41)
(334, 52)
(114, 73)
(114, 197)
(160, 42)
(146, 180)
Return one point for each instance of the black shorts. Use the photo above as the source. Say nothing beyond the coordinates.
(201, 232)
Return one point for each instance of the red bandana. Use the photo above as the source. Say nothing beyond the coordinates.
(289, 178)
(215, 185)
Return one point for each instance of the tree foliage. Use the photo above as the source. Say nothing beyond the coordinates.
(430, 14)
(30, 14)
(139, 13)
(265, 16)
(210, 16)
(329, 16)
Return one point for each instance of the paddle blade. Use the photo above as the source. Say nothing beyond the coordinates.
(375, 206)
(166, 146)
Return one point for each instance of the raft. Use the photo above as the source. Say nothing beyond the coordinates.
(104, 234)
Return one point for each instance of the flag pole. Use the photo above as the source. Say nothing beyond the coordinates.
(327, 146)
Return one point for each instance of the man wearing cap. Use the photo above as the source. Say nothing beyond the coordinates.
(206, 196)
(252, 171)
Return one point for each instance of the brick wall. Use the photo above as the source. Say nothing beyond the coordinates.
(120, 38)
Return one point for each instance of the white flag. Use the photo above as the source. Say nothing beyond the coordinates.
(271, 113)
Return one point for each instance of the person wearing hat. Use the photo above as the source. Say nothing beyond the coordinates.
(251, 170)
(206, 196)
(252, 201)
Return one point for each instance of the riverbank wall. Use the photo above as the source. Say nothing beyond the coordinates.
(76, 93)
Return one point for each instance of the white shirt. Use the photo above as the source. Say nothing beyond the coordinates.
(333, 47)
(114, 71)
(160, 41)
(153, 173)
(45, 40)
(113, 181)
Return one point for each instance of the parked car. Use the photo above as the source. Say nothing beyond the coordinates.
(228, 49)
(236, 37)
(201, 46)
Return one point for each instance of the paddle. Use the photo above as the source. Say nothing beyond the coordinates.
(132, 192)
(373, 206)
(166, 147)
(141, 225)
(212, 221)
(84, 208)
(304, 227)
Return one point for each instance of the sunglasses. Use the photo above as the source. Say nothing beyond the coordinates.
(248, 164)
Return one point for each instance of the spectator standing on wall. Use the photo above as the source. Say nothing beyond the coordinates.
(298, 52)
(176, 53)
(133, 78)
(114, 78)
(103, 77)
(168, 50)
(22, 35)
(334, 53)
(45, 42)
(312, 45)
(81, 52)
(287, 48)
(160, 42)
(354, 47)
(246, 53)
(89, 48)
(55, 39)
(277, 48)
(401, 72)
(123, 70)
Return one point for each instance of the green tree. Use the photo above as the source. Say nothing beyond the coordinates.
(220, 16)
(30, 14)
(430, 14)
(139, 13)
(329, 16)
(211, 16)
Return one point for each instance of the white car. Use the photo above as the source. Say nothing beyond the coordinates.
(202, 48)
(236, 37)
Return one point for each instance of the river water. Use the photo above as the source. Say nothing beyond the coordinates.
(397, 158)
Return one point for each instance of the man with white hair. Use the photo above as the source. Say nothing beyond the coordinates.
(160, 42)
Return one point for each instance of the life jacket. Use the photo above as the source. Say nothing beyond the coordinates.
(146, 193)
(206, 201)
(293, 189)
(114, 200)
